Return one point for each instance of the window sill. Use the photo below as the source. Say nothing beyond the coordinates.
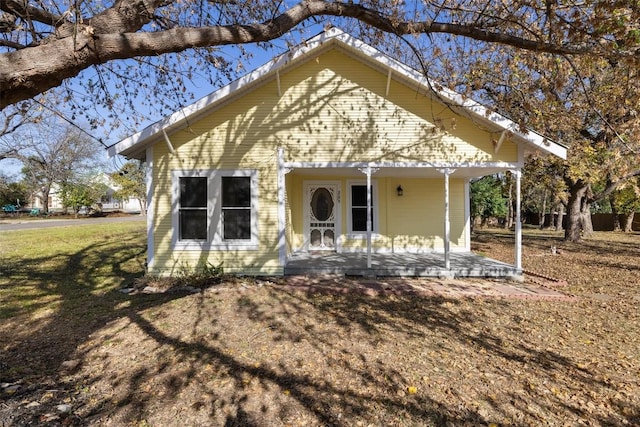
(222, 246)
(361, 235)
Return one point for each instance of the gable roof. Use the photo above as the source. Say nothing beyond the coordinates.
(135, 145)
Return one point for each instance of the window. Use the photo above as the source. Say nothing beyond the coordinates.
(193, 208)
(215, 209)
(358, 208)
(236, 207)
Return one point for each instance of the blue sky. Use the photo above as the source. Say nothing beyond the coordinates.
(198, 87)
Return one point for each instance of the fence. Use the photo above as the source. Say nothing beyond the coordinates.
(601, 222)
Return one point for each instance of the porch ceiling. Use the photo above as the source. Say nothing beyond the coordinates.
(398, 172)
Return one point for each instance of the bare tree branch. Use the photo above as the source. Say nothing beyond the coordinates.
(112, 35)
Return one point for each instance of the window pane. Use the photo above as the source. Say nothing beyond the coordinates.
(193, 224)
(359, 195)
(237, 223)
(322, 204)
(193, 192)
(236, 191)
(359, 218)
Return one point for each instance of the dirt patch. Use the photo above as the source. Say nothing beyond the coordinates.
(343, 352)
(531, 288)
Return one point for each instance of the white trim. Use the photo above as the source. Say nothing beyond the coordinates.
(447, 222)
(467, 214)
(357, 48)
(374, 202)
(282, 224)
(391, 164)
(215, 239)
(404, 250)
(518, 230)
(150, 209)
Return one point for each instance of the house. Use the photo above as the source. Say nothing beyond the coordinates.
(332, 158)
(108, 201)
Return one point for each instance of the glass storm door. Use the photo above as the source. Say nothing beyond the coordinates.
(321, 214)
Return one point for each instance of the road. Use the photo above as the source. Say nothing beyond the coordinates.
(26, 224)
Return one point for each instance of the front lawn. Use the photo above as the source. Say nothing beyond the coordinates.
(77, 351)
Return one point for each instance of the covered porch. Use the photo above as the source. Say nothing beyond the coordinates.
(384, 257)
(461, 265)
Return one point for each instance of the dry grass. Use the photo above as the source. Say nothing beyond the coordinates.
(252, 353)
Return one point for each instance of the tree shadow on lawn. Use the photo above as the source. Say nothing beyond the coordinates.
(349, 336)
(543, 240)
(353, 339)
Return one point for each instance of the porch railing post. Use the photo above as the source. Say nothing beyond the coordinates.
(282, 170)
(518, 228)
(369, 171)
(369, 225)
(447, 221)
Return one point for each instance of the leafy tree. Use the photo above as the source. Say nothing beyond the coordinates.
(57, 153)
(131, 182)
(487, 199)
(141, 50)
(589, 104)
(626, 202)
(11, 191)
(543, 191)
(81, 192)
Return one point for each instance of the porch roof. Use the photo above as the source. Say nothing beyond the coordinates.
(401, 171)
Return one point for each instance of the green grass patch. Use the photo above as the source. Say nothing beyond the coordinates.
(44, 269)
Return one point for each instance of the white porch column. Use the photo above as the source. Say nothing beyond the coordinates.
(447, 221)
(282, 171)
(150, 209)
(518, 174)
(369, 171)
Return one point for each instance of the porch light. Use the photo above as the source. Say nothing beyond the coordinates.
(399, 190)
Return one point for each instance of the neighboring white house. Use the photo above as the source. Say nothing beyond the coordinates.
(108, 201)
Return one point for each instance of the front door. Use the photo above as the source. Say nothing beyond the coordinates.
(322, 215)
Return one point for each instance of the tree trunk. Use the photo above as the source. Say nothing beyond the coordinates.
(143, 206)
(628, 222)
(541, 215)
(585, 218)
(614, 212)
(45, 200)
(559, 217)
(577, 193)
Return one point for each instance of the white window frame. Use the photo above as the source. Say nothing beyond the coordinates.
(375, 207)
(215, 238)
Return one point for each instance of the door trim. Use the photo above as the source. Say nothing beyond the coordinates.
(306, 214)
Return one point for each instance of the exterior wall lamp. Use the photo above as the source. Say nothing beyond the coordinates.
(399, 191)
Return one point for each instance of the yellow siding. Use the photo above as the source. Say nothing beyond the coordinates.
(412, 222)
(334, 109)
(331, 109)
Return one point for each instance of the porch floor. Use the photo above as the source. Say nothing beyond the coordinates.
(465, 264)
